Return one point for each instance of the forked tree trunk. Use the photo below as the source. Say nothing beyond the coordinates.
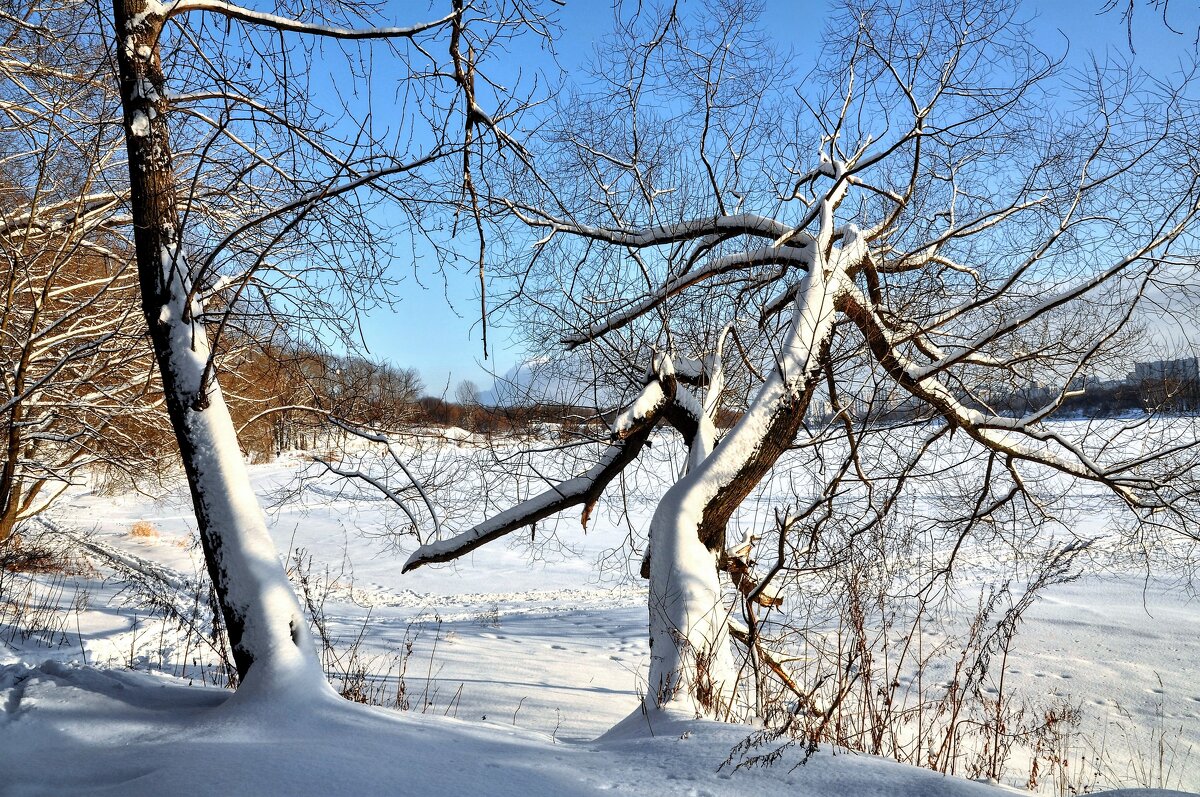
(691, 665)
(267, 629)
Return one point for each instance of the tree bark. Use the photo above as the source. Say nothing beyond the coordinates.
(268, 633)
(691, 665)
(10, 482)
(8, 515)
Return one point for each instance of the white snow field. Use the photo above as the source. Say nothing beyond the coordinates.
(512, 674)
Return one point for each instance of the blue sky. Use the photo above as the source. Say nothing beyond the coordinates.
(436, 328)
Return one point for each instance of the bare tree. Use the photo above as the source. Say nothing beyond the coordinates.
(467, 393)
(919, 226)
(76, 393)
(288, 236)
(1168, 18)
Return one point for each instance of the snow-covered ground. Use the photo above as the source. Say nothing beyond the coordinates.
(510, 671)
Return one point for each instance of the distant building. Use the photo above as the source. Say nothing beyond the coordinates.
(819, 409)
(1184, 370)
(1168, 385)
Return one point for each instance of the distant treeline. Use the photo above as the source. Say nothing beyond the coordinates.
(279, 398)
(504, 420)
(1148, 396)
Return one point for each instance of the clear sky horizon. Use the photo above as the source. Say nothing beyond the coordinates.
(436, 329)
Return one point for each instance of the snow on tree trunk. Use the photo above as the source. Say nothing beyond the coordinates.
(267, 628)
(691, 665)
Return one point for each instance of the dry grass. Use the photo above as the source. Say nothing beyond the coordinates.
(37, 555)
(144, 530)
(30, 559)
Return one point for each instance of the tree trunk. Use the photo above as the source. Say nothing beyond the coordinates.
(267, 629)
(691, 665)
(8, 516)
(10, 482)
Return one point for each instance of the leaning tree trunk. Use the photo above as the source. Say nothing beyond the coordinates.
(691, 665)
(267, 629)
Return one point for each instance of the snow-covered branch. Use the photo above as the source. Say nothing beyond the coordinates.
(292, 25)
(791, 256)
(999, 433)
(750, 224)
(585, 489)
